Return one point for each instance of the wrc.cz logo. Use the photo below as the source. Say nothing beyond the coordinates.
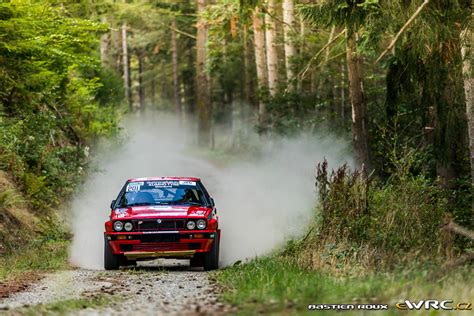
(434, 304)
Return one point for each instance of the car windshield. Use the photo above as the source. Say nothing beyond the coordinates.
(140, 193)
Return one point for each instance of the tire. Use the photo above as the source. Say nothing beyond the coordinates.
(196, 261)
(123, 261)
(211, 259)
(111, 261)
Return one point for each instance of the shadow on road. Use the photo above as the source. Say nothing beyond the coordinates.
(163, 265)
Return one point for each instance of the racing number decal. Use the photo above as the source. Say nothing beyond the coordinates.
(134, 186)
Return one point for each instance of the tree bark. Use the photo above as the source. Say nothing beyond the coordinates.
(260, 62)
(115, 48)
(104, 46)
(174, 57)
(204, 105)
(343, 92)
(302, 49)
(466, 42)
(272, 54)
(141, 87)
(248, 100)
(153, 92)
(126, 67)
(356, 94)
(190, 85)
(290, 50)
(248, 89)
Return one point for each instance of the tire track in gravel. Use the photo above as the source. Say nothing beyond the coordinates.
(169, 288)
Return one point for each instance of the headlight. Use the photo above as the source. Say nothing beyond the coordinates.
(128, 226)
(191, 225)
(118, 226)
(201, 223)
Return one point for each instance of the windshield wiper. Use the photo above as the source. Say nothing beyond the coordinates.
(140, 204)
(191, 203)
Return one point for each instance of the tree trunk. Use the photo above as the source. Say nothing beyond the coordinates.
(356, 94)
(141, 87)
(343, 93)
(115, 48)
(126, 67)
(272, 55)
(290, 50)
(249, 91)
(248, 88)
(302, 48)
(260, 62)
(153, 92)
(190, 84)
(174, 57)
(466, 42)
(104, 46)
(204, 105)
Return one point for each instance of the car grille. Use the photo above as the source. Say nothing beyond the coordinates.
(166, 224)
(157, 238)
(160, 247)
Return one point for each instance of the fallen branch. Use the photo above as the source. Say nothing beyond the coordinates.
(452, 226)
(71, 129)
(302, 73)
(463, 259)
(177, 30)
(404, 27)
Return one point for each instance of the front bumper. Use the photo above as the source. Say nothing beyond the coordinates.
(160, 244)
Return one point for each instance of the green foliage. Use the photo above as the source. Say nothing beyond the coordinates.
(397, 221)
(276, 285)
(352, 14)
(69, 306)
(54, 97)
(36, 255)
(9, 198)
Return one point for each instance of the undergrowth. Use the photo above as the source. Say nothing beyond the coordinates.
(46, 251)
(369, 242)
(277, 285)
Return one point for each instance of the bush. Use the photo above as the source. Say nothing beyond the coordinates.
(364, 222)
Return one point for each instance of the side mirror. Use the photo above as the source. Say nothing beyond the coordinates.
(212, 202)
(112, 204)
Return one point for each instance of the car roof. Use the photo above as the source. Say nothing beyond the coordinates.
(164, 178)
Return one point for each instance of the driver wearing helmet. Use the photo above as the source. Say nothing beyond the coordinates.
(187, 196)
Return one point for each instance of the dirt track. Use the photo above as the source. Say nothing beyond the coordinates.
(158, 288)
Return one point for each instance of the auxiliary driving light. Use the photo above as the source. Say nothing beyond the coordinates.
(191, 225)
(201, 224)
(128, 226)
(118, 226)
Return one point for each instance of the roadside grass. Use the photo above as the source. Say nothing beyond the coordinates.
(275, 285)
(67, 306)
(37, 255)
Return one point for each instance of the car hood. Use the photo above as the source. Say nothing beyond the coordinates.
(160, 211)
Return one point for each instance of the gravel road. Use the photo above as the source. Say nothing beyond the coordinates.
(167, 287)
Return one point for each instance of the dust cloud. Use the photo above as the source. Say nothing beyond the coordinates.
(261, 202)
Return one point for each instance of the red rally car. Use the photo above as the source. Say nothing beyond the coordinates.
(166, 217)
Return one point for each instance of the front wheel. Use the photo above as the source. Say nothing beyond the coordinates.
(211, 259)
(111, 261)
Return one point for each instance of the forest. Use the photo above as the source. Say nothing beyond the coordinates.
(393, 78)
